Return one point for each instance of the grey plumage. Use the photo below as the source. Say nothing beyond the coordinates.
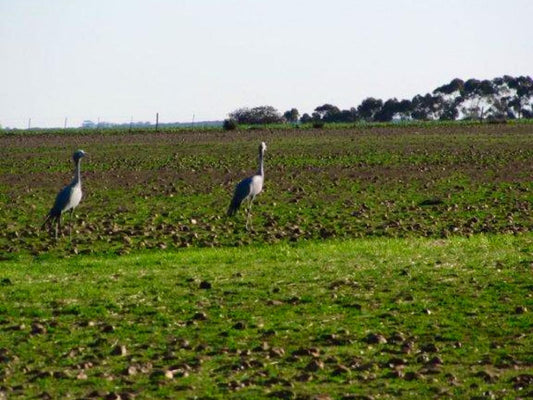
(248, 188)
(69, 197)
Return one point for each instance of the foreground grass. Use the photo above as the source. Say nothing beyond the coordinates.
(381, 318)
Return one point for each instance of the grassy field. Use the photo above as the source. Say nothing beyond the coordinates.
(379, 318)
(385, 262)
(171, 190)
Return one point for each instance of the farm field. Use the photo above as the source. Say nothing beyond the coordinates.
(384, 262)
(171, 190)
(372, 318)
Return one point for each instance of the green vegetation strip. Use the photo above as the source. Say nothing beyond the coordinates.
(370, 318)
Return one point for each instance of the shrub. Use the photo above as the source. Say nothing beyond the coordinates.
(318, 124)
(229, 124)
(257, 116)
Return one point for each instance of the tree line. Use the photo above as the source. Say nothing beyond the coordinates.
(497, 99)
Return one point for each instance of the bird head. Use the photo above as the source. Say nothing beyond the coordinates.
(78, 154)
(262, 146)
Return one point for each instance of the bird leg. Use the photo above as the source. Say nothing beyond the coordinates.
(249, 215)
(247, 221)
(58, 225)
(70, 224)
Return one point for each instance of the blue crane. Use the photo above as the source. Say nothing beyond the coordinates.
(248, 188)
(68, 198)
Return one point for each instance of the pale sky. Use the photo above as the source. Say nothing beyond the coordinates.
(117, 59)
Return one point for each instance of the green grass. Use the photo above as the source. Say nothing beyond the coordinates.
(283, 321)
(417, 237)
(280, 126)
(144, 190)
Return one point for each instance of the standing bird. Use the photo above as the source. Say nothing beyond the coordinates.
(69, 197)
(248, 188)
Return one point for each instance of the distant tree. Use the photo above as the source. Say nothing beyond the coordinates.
(524, 94)
(450, 110)
(404, 106)
(426, 107)
(369, 108)
(403, 110)
(306, 118)
(527, 113)
(330, 113)
(438, 105)
(316, 117)
(486, 88)
(327, 110)
(498, 81)
(524, 86)
(348, 115)
(473, 110)
(257, 115)
(514, 107)
(455, 85)
(510, 81)
(318, 124)
(498, 108)
(471, 87)
(291, 115)
(387, 111)
(502, 97)
(482, 99)
(229, 124)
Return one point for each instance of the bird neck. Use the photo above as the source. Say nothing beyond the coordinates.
(261, 170)
(77, 174)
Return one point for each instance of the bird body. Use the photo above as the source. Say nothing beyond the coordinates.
(248, 188)
(69, 197)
